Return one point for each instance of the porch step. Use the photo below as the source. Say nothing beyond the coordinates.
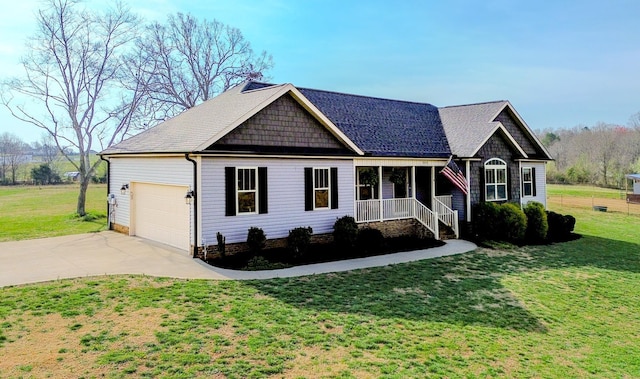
(446, 233)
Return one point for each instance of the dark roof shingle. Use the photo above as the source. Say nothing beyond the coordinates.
(383, 127)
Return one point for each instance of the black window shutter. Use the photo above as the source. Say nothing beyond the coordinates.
(308, 189)
(230, 190)
(334, 188)
(509, 180)
(533, 180)
(263, 198)
(483, 190)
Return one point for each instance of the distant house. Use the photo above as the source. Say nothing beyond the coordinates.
(74, 176)
(280, 157)
(635, 196)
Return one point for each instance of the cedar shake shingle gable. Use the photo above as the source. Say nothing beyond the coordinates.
(383, 127)
(468, 127)
(193, 129)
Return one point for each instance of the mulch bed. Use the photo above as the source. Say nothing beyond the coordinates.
(317, 253)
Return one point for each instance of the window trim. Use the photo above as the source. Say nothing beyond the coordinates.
(255, 191)
(500, 166)
(530, 181)
(316, 188)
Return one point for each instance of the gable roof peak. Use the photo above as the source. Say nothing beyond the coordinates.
(251, 85)
(480, 103)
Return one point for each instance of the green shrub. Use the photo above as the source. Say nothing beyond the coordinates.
(486, 221)
(370, 241)
(345, 232)
(299, 240)
(256, 239)
(537, 224)
(259, 262)
(513, 222)
(560, 227)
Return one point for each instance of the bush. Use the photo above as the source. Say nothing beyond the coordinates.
(299, 240)
(370, 241)
(486, 221)
(345, 232)
(256, 239)
(513, 222)
(259, 262)
(560, 227)
(537, 224)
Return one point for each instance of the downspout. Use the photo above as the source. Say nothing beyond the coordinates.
(108, 192)
(195, 204)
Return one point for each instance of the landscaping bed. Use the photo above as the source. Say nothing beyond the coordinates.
(278, 258)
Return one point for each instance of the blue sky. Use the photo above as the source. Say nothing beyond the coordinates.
(560, 63)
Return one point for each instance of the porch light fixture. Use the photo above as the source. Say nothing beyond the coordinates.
(124, 188)
(188, 197)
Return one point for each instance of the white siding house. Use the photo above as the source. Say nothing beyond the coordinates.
(279, 157)
(286, 197)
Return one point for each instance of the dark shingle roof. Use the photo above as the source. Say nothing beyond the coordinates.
(383, 127)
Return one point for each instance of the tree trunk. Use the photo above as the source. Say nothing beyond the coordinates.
(82, 195)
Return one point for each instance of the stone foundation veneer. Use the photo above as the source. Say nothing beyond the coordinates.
(389, 229)
(120, 228)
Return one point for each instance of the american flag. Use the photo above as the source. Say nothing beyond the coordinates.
(455, 175)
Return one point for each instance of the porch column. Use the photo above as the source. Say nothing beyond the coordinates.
(413, 191)
(380, 192)
(467, 174)
(413, 182)
(433, 185)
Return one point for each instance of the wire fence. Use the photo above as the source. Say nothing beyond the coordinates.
(595, 203)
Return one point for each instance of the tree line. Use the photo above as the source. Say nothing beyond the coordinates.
(601, 154)
(93, 77)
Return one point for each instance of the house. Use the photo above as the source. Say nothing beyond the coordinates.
(279, 157)
(635, 196)
(73, 176)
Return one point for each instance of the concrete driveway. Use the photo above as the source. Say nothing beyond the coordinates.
(109, 253)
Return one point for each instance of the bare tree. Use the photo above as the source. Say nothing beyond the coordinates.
(187, 61)
(73, 71)
(12, 156)
(634, 121)
(47, 149)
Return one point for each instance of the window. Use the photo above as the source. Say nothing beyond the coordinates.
(321, 188)
(247, 192)
(527, 182)
(495, 180)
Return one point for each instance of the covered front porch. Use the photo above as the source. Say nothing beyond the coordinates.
(405, 189)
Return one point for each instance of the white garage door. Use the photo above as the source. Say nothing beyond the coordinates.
(159, 213)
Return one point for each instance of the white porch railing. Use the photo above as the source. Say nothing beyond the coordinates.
(396, 209)
(446, 200)
(449, 217)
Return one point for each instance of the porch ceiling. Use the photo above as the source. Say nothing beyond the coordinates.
(399, 162)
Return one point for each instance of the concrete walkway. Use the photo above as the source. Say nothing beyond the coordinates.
(110, 253)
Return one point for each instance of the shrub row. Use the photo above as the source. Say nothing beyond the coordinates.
(346, 235)
(533, 224)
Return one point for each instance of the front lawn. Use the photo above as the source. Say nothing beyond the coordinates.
(558, 311)
(46, 211)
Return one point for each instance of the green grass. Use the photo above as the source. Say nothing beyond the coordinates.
(558, 311)
(584, 191)
(45, 211)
